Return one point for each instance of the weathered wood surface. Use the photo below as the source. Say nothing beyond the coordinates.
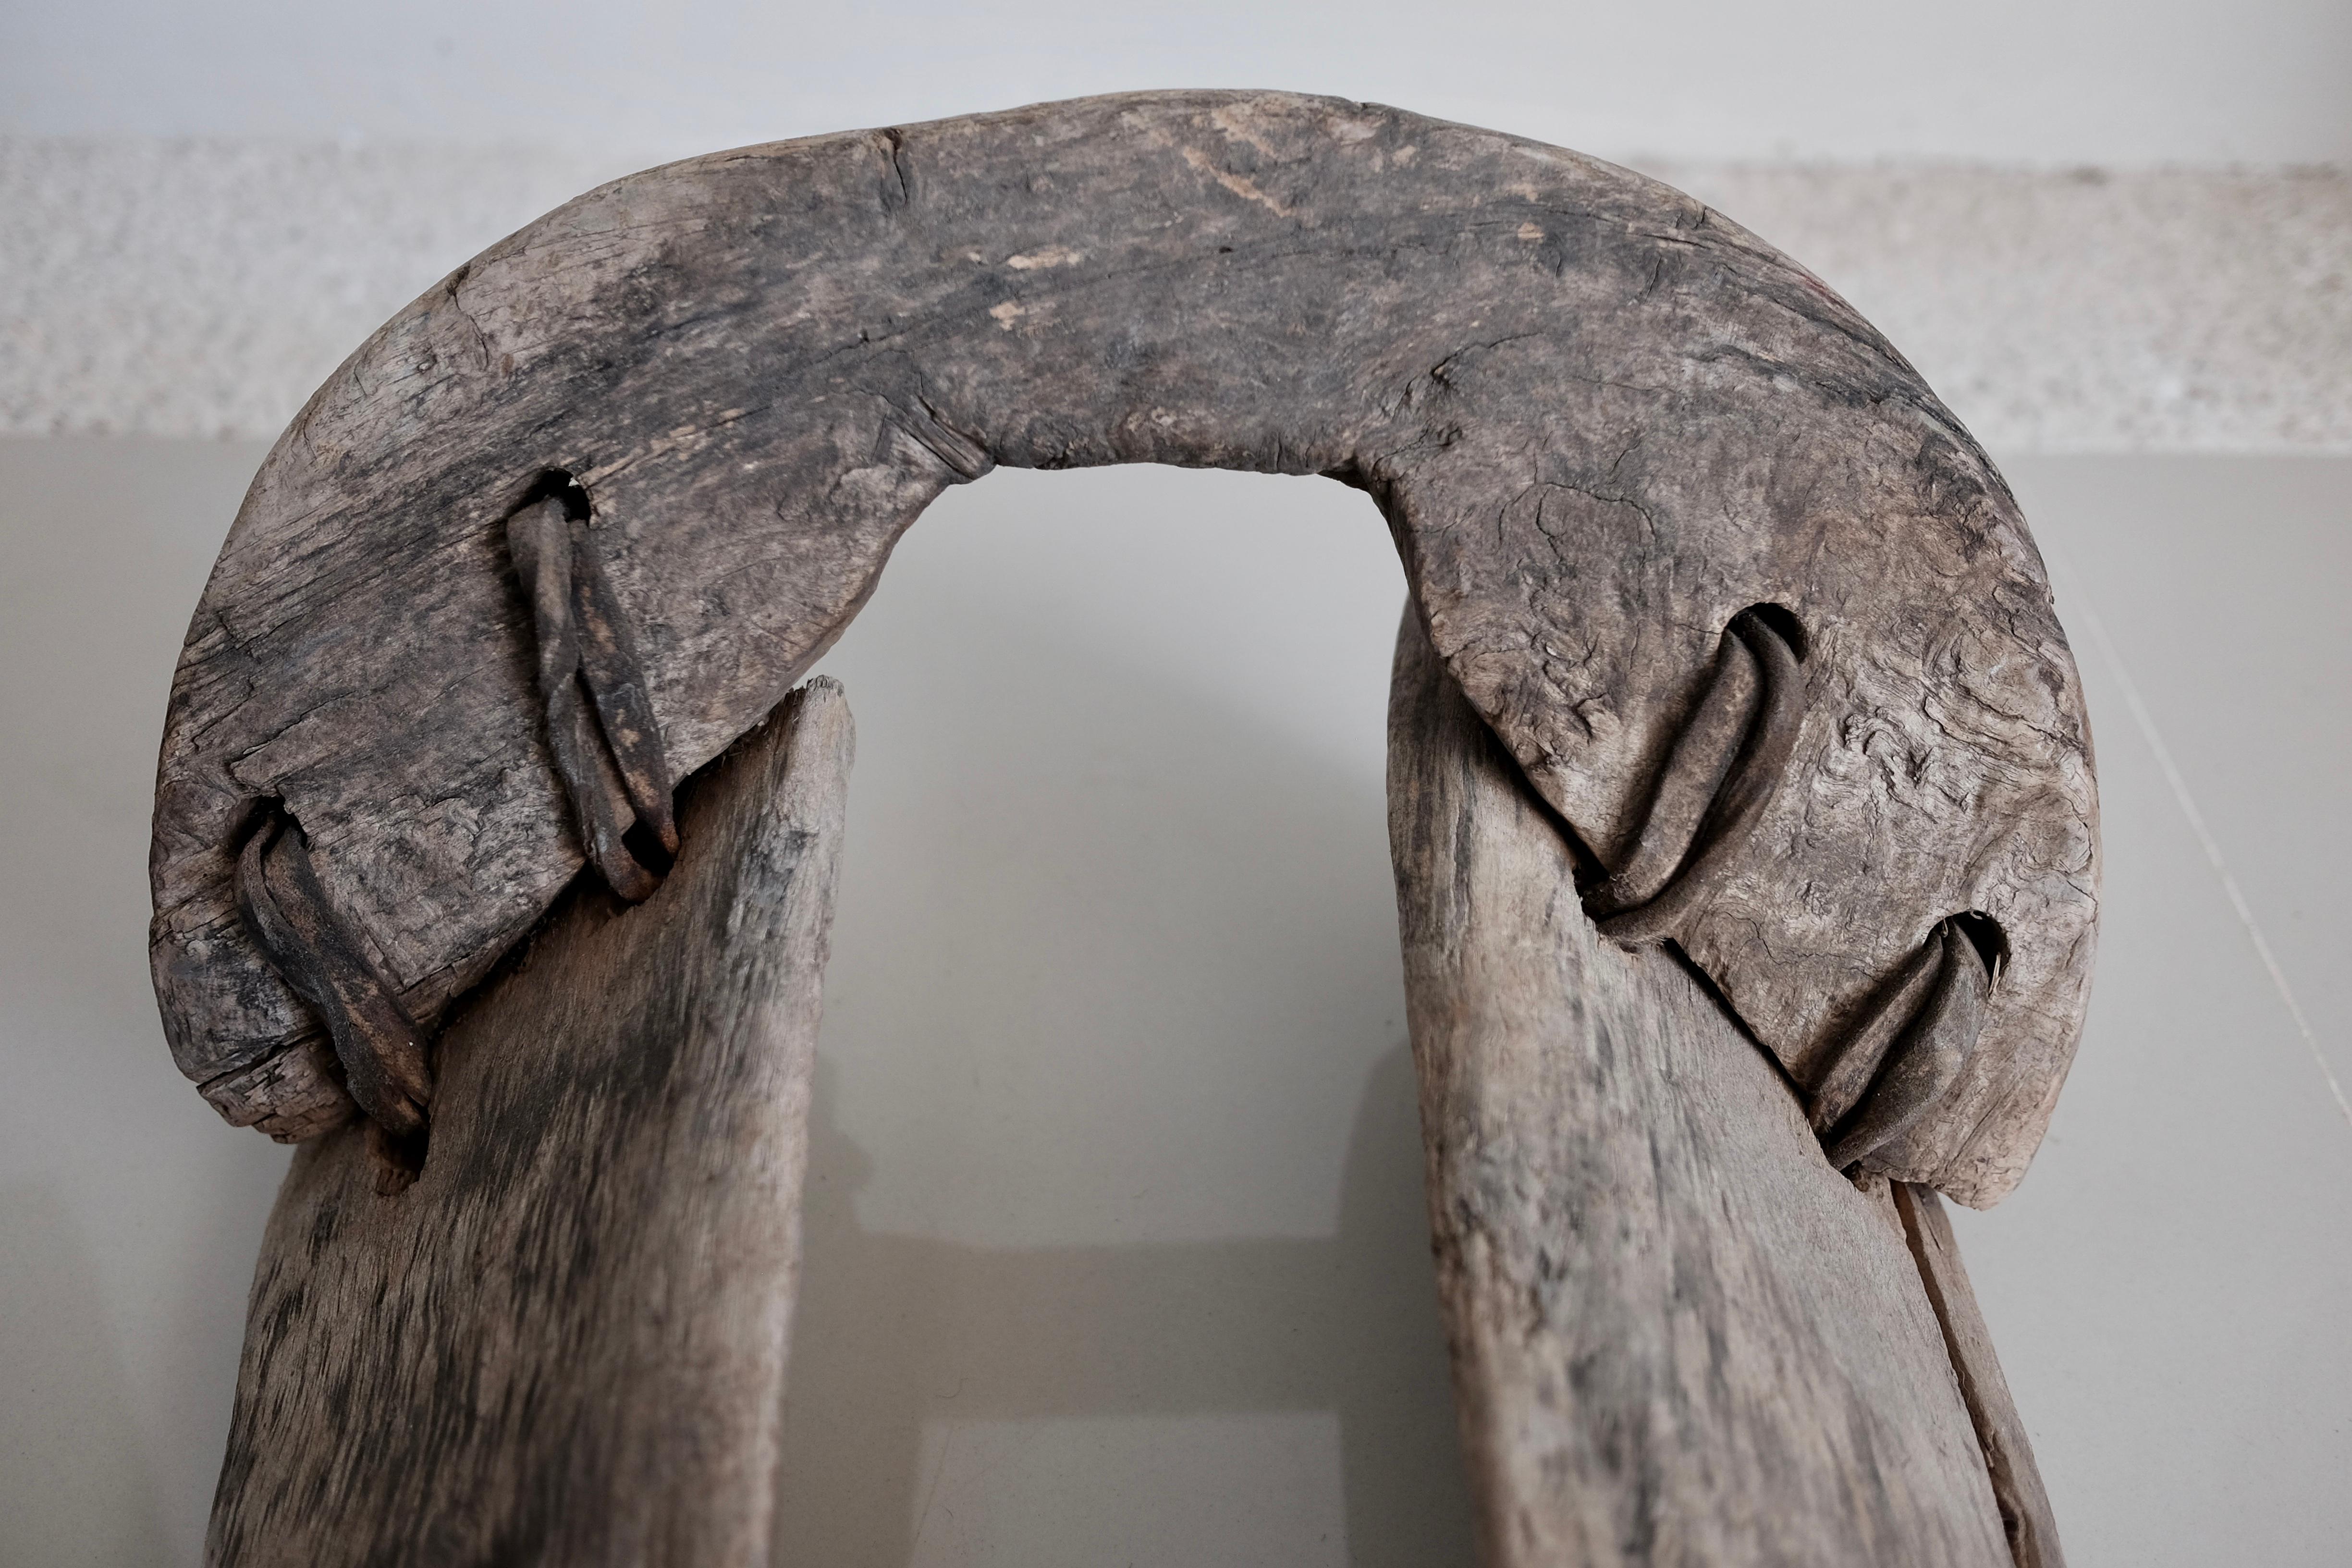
(1601, 421)
(1679, 1337)
(2016, 1479)
(565, 1342)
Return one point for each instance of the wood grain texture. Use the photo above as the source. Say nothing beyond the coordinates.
(1679, 1337)
(565, 1342)
(1599, 419)
(2025, 1512)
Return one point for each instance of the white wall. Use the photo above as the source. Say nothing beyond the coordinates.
(2045, 82)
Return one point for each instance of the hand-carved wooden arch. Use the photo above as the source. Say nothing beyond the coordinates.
(1750, 609)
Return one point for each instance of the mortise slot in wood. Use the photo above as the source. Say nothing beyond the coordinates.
(1984, 934)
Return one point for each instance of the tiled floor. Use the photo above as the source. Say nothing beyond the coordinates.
(1114, 1236)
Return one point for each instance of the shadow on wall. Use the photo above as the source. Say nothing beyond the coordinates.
(888, 1326)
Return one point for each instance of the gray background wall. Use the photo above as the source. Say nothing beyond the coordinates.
(2132, 83)
(1115, 1244)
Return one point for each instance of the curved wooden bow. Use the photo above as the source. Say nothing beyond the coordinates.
(1601, 421)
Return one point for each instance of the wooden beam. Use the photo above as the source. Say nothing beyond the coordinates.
(2016, 1479)
(1679, 1336)
(564, 1343)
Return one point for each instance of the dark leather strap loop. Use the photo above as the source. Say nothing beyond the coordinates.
(1747, 786)
(600, 725)
(383, 1052)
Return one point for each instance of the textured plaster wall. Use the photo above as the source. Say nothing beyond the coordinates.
(204, 287)
(203, 208)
